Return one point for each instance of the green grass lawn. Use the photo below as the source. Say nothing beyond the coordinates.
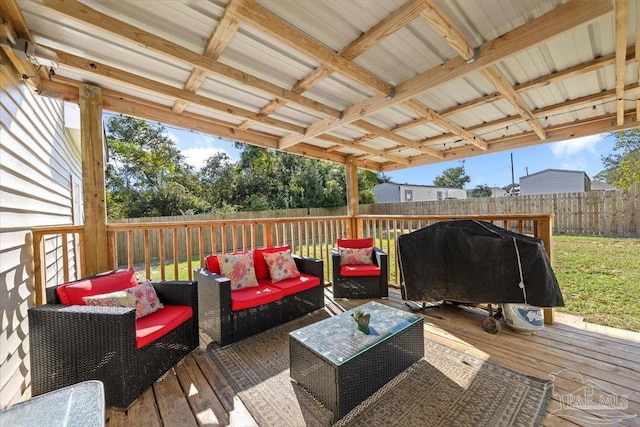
(600, 279)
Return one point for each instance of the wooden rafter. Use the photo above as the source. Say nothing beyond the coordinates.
(370, 127)
(448, 30)
(591, 126)
(218, 41)
(559, 21)
(445, 124)
(390, 24)
(498, 80)
(573, 104)
(637, 57)
(84, 14)
(445, 27)
(132, 80)
(622, 17)
(264, 20)
(13, 27)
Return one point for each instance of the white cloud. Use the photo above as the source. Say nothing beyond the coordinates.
(196, 156)
(566, 150)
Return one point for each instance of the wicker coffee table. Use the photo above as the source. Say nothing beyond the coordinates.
(341, 365)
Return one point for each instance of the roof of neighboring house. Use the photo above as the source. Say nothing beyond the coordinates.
(554, 170)
(417, 185)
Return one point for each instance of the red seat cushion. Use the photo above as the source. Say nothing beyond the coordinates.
(360, 270)
(262, 269)
(356, 243)
(294, 285)
(72, 293)
(157, 324)
(253, 297)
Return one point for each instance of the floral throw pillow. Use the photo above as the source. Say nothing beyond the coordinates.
(142, 297)
(356, 256)
(239, 269)
(281, 266)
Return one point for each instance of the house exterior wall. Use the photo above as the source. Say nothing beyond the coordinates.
(39, 170)
(389, 192)
(552, 181)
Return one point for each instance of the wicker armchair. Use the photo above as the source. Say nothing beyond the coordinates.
(74, 343)
(360, 281)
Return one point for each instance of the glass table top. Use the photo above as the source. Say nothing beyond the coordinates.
(338, 338)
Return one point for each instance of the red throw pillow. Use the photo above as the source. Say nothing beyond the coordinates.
(262, 269)
(367, 242)
(212, 264)
(72, 293)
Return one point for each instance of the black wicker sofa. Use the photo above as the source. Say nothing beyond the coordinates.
(230, 315)
(70, 343)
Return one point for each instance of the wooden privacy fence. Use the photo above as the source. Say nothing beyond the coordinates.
(613, 213)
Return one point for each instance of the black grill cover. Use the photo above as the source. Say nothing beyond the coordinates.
(475, 262)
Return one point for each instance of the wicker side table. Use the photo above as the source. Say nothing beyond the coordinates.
(341, 365)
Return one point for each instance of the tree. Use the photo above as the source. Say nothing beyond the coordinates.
(623, 169)
(146, 173)
(218, 178)
(452, 178)
(482, 190)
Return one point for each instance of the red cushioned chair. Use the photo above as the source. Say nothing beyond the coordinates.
(360, 269)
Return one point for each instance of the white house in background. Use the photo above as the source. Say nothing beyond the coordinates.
(390, 192)
(551, 181)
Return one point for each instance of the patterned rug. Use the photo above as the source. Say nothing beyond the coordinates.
(445, 388)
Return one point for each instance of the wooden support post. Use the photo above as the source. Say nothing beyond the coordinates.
(353, 207)
(93, 180)
(544, 231)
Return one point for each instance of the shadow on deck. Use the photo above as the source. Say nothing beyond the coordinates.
(196, 393)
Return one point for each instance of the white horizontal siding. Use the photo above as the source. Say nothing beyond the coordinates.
(37, 167)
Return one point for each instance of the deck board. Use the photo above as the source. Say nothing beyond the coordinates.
(196, 392)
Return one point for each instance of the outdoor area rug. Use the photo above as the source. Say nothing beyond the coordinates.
(444, 388)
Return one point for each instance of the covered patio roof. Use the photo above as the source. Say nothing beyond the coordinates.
(385, 84)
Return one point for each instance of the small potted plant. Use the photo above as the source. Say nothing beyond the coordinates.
(361, 318)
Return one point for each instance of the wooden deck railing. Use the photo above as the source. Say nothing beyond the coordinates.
(171, 250)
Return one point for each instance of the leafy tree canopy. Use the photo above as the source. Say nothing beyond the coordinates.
(148, 176)
(481, 191)
(622, 169)
(146, 173)
(452, 178)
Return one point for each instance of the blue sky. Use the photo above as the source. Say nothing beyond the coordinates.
(583, 154)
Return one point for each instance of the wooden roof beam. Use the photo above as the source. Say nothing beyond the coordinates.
(445, 124)
(72, 61)
(636, 50)
(218, 41)
(500, 82)
(622, 17)
(81, 13)
(387, 134)
(591, 126)
(356, 144)
(272, 25)
(13, 27)
(444, 26)
(550, 25)
(573, 104)
(390, 24)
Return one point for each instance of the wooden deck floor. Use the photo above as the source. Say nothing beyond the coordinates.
(196, 393)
